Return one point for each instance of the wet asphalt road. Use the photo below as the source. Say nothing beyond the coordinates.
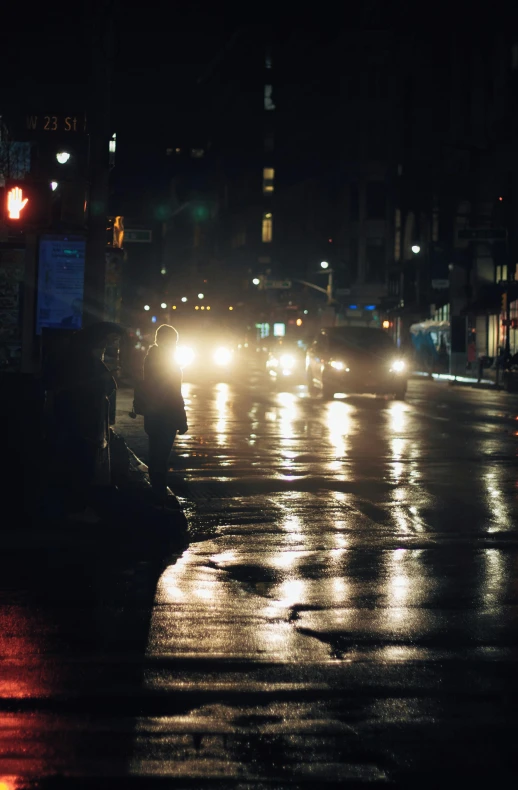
(345, 612)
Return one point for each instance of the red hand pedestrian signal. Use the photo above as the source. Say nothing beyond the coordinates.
(15, 202)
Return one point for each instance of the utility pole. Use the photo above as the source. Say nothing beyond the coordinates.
(328, 290)
(98, 119)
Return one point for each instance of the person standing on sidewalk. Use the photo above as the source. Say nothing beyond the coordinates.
(78, 387)
(164, 414)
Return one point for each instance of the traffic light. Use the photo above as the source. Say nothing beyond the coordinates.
(19, 204)
(16, 202)
(200, 212)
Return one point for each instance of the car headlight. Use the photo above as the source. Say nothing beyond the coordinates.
(398, 366)
(222, 356)
(336, 365)
(287, 361)
(184, 356)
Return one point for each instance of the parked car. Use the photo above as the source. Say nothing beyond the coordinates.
(353, 359)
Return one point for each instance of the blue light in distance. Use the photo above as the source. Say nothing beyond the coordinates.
(353, 307)
(153, 319)
(370, 307)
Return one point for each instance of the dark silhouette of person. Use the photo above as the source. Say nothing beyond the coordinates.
(164, 414)
(81, 387)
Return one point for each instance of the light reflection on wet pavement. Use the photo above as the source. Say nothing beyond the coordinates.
(346, 610)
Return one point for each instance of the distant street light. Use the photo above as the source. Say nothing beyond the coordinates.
(256, 281)
(163, 305)
(324, 265)
(416, 248)
(63, 157)
(146, 307)
(163, 271)
(201, 296)
(184, 298)
(53, 185)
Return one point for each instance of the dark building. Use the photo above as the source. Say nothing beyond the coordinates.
(456, 202)
(300, 164)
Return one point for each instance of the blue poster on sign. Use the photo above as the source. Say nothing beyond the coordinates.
(61, 274)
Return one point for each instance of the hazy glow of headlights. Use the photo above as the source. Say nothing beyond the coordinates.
(337, 365)
(184, 356)
(398, 366)
(222, 356)
(287, 361)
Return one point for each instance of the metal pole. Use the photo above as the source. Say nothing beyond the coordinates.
(101, 32)
(330, 287)
(28, 362)
(507, 301)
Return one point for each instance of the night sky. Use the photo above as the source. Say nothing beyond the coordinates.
(180, 71)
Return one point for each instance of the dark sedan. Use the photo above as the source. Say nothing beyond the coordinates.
(352, 359)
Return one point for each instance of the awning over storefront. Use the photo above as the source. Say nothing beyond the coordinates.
(425, 327)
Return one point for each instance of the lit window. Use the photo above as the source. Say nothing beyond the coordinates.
(197, 153)
(268, 179)
(268, 101)
(267, 227)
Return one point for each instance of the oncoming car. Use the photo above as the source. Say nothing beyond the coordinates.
(353, 359)
(285, 362)
(203, 356)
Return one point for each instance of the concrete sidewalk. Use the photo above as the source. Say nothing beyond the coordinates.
(129, 523)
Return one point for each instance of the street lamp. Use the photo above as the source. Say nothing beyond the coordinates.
(146, 307)
(163, 305)
(184, 298)
(201, 296)
(53, 185)
(416, 249)
(63, 157)
(324, 265)
(256, 281)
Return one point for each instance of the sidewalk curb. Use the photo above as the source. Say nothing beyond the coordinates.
(460, 381)
(129, 523)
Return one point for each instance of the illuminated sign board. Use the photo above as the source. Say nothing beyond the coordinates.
(61, 271)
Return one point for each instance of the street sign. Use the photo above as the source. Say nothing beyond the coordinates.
(440, 284)
(55, 123)
(276, 284)
(482, 234)
(138, 236)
